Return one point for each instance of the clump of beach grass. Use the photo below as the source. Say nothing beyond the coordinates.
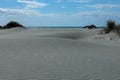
(111, 27)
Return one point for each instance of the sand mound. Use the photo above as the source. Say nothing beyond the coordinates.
(40, 54)
(66, 35)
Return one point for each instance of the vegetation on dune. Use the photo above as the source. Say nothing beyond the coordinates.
(90, 26)
(111, 27)
(1, 27)
(11, 24)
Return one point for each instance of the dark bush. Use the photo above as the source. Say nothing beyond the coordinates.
(13, 24)
(1, 27)
(110, 26)
(90, 26)
(118, 29)
(118, 26)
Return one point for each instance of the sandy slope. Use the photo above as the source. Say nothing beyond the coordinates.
(58, 54)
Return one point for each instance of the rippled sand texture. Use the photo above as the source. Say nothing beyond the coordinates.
(58, 54)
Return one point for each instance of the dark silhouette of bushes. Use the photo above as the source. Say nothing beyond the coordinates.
(12, 24)
(111, 27)
(118, 29)
(90, 27)
(1, 27)
(118, 26)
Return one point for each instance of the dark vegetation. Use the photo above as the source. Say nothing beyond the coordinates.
(1, 27)
(111, 27)
(90, 27)
(12, 24)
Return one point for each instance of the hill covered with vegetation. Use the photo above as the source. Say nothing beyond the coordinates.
(12, 24)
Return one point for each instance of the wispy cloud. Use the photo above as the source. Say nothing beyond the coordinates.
(32, 4)
(17, 11)
(79, 1)
(63, 7)
(97, 13)
(7, 11)
(58, 1)
(101, 6)
(27, 10)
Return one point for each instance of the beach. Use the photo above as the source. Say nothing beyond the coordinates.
(59, 54)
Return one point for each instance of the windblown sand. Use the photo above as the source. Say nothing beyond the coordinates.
(58, 54)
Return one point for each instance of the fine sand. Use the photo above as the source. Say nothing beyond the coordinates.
(58, 54)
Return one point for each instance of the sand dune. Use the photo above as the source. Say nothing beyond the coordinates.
(58, 54)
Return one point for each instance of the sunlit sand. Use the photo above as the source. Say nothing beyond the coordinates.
(58, 54)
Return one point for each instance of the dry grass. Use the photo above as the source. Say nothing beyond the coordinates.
(111, 27)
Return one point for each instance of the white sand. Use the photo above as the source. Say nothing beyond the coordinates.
(58, 54)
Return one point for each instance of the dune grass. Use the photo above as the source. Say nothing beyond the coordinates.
(111, 27)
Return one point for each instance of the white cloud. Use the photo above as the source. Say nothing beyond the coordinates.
(97, 13)
(101, 6)
(7, 11)
(32, 4)
(27, 10)
(95, 17)
(63, 7)
(17, 11)
(79, 0)
(58, 1)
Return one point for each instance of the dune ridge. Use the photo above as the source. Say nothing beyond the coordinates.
(58, 54)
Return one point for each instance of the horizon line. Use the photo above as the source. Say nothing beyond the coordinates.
(59, 26)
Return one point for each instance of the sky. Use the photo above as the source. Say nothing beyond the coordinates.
(59, 12)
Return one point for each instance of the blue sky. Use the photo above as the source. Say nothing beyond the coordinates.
(59, 12)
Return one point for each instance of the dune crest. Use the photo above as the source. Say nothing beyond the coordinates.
(58, 54)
